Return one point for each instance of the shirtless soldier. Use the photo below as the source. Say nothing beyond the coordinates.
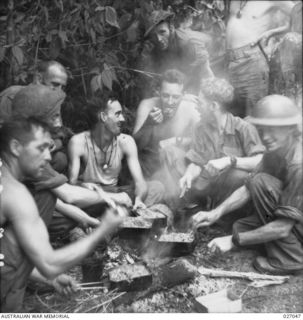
(250, 25)
(24, 150)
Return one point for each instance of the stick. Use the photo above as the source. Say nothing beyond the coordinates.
(89, 283)
(252, 276)
(90, 288)
(105, 302)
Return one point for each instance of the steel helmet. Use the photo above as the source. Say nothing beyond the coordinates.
(275, 110)
(155, 18)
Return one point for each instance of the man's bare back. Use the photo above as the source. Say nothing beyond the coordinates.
(249, 20)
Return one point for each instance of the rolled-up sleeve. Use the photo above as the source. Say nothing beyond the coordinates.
(251, 142)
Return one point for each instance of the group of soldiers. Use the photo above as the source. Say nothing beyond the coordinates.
(188, 148)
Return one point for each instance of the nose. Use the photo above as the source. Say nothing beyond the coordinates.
(159, 38)
(170, 100)
(121, 118)
(47, 156)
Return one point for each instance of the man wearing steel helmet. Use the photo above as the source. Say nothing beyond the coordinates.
(169, 48)
(275, 191)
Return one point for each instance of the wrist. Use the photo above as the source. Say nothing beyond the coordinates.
(233, 161)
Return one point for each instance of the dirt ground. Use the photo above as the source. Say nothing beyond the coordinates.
(283, 298)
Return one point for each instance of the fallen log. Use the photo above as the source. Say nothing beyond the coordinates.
(252, 276)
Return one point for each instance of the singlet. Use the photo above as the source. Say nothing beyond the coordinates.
(94, 170)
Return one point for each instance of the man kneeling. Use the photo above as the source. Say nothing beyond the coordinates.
(275, 191)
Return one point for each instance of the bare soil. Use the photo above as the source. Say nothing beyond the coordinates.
(283, 298)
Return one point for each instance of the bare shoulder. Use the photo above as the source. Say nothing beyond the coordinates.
(12, 190)
(126, 142)
(77, 142)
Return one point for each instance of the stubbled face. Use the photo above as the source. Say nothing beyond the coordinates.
(171, 95)
(160, 35)
(35, 154)
(274, 138)
(55, 78)
(113, 117)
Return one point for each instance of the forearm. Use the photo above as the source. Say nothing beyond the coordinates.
(140, 190)
(235, 201)
(248, 163)
(72, 211)
(37, 276)
(274, 230)
(78, 196)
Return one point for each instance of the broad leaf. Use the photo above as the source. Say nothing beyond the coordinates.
(111, 17)
(18, 54)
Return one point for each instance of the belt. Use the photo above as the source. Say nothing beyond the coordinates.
(242, 52)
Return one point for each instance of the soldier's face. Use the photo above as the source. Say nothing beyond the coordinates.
(55, 78)
(171, 95)
(160, 35)
(113, 117)
(35, 154)
(274, 138)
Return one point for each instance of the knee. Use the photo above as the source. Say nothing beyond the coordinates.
(263, 181)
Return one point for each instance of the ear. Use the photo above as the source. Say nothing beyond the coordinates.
(103, 116)
(38, 78)
(15, 147)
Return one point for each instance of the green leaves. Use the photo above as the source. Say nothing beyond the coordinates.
(18, 54)
(105, 79)
(111, 17)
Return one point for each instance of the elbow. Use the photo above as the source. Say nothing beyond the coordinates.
(48, 271)
(285, 232)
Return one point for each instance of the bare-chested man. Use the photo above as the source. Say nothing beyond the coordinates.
(250, 25)
(24, 149)
(161, 120)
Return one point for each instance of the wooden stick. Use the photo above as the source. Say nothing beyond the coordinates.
(105, 302)
(90, 288)
(89, 283)
(252, 276)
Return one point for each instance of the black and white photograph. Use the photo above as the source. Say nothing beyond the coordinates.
(151, 158)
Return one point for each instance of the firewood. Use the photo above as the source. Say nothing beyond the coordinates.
(252, 276)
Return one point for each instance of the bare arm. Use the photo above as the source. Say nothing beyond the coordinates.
(143, 112)
(235, 201)
(130, 150)
(75, 149)
(76, 214)
(78, 196)
(274, 230)
(32, 235)
(243, 163)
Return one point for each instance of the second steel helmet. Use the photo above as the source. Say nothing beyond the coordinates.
(275, 110)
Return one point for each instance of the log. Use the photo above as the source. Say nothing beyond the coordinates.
(252, 276)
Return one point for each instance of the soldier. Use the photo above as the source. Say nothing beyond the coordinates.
(275, 190)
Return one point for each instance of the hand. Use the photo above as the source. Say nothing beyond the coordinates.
(263, 38)
(185, 184)
(111, 220)
(101, 192)
(64, 284)
(89, 222)
(123, 199)
(156, 115)
(139, 204)
(204, 218)
(223, 244)
(213, 167)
